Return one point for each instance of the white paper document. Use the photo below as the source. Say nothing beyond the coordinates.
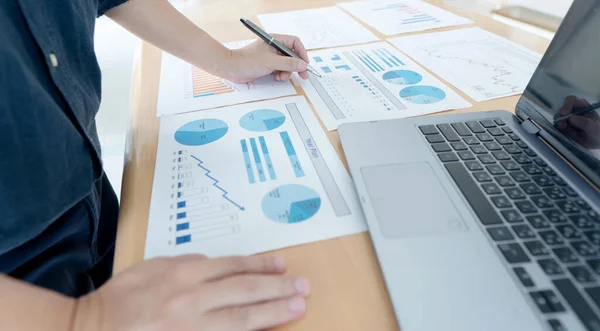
(184, 87)
(247, 179)
(373, 82)
(392, 17)
(482, 65)
(319, 27)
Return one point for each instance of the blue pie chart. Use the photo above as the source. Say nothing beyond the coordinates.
(422, 94)
(261, 120)
(402, 77)
(201, 132)
(291, 203)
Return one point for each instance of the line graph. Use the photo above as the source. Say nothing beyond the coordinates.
(216, 183)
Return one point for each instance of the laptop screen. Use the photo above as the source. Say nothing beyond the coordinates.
(563, 95)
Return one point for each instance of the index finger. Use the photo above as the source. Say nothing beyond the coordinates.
(293, 43)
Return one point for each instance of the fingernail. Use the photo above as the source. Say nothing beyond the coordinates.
(301, 65)
(279, 263)
(302, 286)
(297, 305)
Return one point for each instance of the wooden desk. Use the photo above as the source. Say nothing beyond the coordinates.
(348, 292)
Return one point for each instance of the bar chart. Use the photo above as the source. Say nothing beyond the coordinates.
(205, 84)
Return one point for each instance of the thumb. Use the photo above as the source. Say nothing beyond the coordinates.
(285, 63)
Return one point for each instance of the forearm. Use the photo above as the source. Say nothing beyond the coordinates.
(29, 308)
(157, 22)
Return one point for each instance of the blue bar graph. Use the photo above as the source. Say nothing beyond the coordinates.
(326, 69)
(291, 152)
(392, 56)
(181, 216)
(182, 226)
(318, 59)
(345, 67)
(336, 57)
(183, 239)
(259, 166)
(383, 58)
(370, 59)
(248, 162)
(364, 61)
(267, 157)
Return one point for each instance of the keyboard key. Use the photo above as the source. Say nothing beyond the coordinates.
(594, 216)
(483, 137)
(475, 127)
(448, 132)
(565, 255)
(515, 193)
(581, 274)
(495, 169)
(514, 137)
(541, 302)
(581, 222)
(524, 277)
(582, 204)
(551, 237)
(474, 165)
(526, 207)
(478, 149)
(435, 138)
(499, 121)
(501, 201)
(438, 148)
(559, 181)
(480, 204)
(554, 216)
(428, 129)
(540, 162)
(568, 231)
(554, 301)
(482, 176)
(492, 146)
(530, 188)
(505, 181)
(594, 264)
(510, 165)
(488, 123)
(537, 221)
(466, 155)
(542, 201)
(501, 155)
(448, 157)
(547, 301)
(570, 192)
(567, 206)
(491, 188)
(520, 176)
(532, 169)
(584, 248)
(496, 132)
(536, 248)
(512, 216)
(461, 129)
(523, 231)
(522, 144)
(556, 325)
(503, 140)
(459, 146)
(522, 159)
(593, 236)
(594, 293)
(578, 303)
(549, 171)
(554, 193)
(514, 253)
(471, 140)
(486, 159)
(551, 267)
(529, 152)
(500, 233)
(543, 180)
(512, 149)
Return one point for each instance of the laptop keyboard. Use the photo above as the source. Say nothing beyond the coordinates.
(529, 212)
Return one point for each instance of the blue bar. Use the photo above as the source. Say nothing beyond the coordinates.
(183, 239)
(373, 61)
(182, 226)
(181, 215)
(345, 67)
(381, 56)
(179, 194)
(291, 152)
(318, 59)
(203, 95)
(326, 69)
(181, 204)
(265, 150)
(248, 162)
(392, 56)
(365, 63)
(259, 166)
(178, 185)
(336, 57)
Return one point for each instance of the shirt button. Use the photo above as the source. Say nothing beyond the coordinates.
(53, 59)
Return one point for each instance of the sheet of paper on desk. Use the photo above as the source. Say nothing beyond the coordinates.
(392, 17)
(184, 87)
(482, 65)
(373, 82)
(319, 27)
(247, 179)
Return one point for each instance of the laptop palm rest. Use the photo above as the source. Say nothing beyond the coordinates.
(409, 201)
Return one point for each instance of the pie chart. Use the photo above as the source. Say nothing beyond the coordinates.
(261, 120)
(201, 132)
(291, 203)
(422, 94)
(402, 77)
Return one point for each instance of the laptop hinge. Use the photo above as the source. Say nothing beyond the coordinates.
(530, 127)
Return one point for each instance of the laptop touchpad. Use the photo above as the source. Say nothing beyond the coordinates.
(410, 201)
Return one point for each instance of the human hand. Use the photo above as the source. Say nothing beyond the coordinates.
(259, 59)
(584, 129)
(194, 292)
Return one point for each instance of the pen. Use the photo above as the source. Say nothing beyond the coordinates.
(272, 42)
(585, 110)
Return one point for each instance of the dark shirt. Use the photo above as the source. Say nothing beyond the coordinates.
(49, 96)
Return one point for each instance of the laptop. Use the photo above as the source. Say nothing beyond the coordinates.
(489, 221)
